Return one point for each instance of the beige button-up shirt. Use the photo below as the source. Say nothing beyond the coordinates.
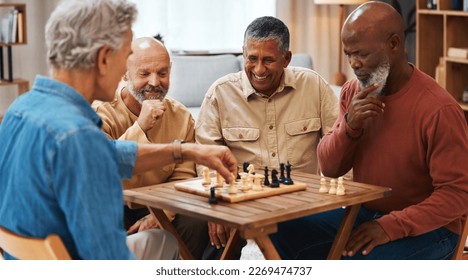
(176, 123)
(267, 131)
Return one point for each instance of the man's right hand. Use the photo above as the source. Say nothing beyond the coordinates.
(151, 111)
(363, 107)
(216, 157)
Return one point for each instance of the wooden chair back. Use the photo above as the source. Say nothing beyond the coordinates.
(461, 251)
(29, 248)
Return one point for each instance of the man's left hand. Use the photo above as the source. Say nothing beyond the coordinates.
(365, 237)
(147, 222)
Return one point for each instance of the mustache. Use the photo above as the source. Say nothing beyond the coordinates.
(154, 89)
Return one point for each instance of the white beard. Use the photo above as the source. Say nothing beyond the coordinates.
(379, 76)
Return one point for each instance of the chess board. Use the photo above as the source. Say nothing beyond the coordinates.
(196, 187)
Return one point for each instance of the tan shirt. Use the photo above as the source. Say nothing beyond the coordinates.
(267, 131)
(176, 123)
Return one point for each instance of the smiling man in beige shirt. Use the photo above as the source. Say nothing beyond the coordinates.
(269, 113)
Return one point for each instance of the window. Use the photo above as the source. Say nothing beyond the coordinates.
(212, 25)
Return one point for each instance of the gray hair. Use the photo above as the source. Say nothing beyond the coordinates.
(268, 28)
(77, 29)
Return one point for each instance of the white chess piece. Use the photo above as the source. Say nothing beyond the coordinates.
(332, 189)
(341, 189)
(250, 180)
(232, 188)
(323, 185)
(251, 168)
(219, 180)
(244, 183)
(257, 185)
(206, 176)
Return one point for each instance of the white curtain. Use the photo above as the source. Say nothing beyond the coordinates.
(315, 30)
(199, 25)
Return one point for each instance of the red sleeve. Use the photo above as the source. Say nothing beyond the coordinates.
(336, 149)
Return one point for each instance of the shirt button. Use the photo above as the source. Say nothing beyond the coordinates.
(241, 136)
(273, 154)
(304, 128)
(270, 127)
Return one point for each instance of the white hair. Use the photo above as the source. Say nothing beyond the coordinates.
(77, 29)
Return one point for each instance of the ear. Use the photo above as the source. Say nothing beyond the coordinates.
(103, 59)
(125, 76)
(287, 59)
(395, 42)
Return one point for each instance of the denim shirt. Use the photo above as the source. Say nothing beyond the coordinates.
(60, 174)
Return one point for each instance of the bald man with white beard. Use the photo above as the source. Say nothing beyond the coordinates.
(141, 111)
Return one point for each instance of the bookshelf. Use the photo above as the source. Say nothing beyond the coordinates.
(437, 30)
(21, 38)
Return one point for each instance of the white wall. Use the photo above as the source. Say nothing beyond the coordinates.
(30, 59)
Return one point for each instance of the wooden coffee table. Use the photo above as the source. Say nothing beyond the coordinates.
(257, 218)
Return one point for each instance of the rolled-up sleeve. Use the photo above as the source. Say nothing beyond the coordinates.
(126, 157)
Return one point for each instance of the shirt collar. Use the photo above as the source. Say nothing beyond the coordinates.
(51, 86)
(287, 81)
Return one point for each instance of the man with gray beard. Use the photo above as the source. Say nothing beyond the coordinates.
(141, 111)
(397, 128)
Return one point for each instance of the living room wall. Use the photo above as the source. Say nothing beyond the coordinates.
(30, 59)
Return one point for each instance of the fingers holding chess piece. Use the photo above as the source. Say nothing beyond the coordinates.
(232, 187)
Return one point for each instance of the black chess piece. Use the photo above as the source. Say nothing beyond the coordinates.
(274, 179)
(266, 182)
(245, 166)
(212, 199)
(281, 178)
(288, 180)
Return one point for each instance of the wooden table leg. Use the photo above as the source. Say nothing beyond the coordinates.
(267, 247)
(167, 225)
(232, 245)
(343, 232)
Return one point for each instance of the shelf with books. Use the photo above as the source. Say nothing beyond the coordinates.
(441, 37)
(12, 32)
(13, 24)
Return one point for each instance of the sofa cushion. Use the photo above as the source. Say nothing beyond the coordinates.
(191, 76)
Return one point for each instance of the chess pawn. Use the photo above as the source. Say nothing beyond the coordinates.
(323, 186)
(219, 180)
(244, 183)
(341, 189)
(250, 181)
(206, 177)
(232, 188)
(332, 189)
(212, 199)
(257, 186)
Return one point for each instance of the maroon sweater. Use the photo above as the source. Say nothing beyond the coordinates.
(418, 147)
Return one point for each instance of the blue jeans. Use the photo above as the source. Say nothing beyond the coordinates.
(311, 238)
